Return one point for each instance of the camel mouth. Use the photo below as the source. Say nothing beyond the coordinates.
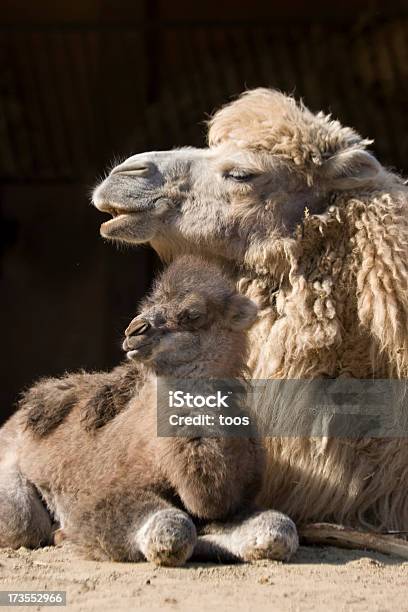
(134, 225)
(117, 220)
(119, 216)
(117, 211)
(143, 351)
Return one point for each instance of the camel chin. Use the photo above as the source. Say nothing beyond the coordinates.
(134, 228)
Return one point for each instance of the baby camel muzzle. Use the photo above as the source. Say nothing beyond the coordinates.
(137, 327)
(137, 336)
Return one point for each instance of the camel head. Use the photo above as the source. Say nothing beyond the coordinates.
(195, 318)
(269, 162)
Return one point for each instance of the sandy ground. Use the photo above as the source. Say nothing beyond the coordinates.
(318, 579)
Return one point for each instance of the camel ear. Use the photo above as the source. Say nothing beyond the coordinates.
(241, 312)
(350, 169)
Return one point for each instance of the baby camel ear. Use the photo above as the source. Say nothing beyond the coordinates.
(241, 312)
(349, 169)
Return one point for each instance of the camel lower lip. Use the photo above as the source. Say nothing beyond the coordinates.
(119, 218)
(135, 352)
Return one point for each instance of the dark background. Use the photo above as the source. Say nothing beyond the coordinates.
(85, 82)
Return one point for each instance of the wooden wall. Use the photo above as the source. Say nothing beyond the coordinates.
(84, 83)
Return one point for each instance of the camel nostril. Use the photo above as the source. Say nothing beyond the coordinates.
(134, 168)
(137, 328)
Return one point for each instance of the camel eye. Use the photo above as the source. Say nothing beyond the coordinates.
(239, 175)
(189, 315)
(193, 315)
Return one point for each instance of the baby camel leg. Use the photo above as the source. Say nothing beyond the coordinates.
(262, 535)
(167, 537)
(131, 527)
(24, 521)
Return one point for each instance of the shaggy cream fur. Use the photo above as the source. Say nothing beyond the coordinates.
(340, 309)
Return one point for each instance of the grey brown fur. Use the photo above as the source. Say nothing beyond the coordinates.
(102, 396)
(87, 443)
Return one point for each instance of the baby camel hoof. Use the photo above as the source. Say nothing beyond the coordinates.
(167, 538)
(269, 535)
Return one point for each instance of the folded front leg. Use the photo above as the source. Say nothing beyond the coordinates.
(133, 526)
(262, 535)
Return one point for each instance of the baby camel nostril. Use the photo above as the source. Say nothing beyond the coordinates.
(137, 328)
(135, 168)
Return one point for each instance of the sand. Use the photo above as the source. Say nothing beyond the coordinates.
(318, 579)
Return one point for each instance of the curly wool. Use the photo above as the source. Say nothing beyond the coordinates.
(267, 120)
(334, 302)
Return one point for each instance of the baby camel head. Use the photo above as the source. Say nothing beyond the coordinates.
(194, 322)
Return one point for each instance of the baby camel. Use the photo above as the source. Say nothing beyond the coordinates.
(95, 463)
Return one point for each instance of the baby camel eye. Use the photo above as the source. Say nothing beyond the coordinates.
(193, 315)
(189, 315)
(240, 175)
